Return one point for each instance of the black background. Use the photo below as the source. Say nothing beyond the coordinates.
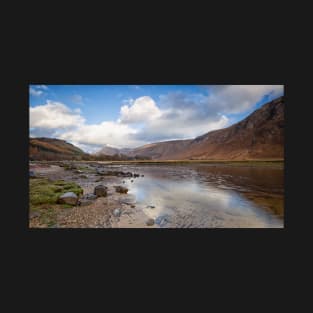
(236, 267)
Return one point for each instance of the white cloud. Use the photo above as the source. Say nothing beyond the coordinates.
(109, 132)
(140, 110)
(53, 115)
(44, 87)
(142, 120)
(239, 98)
(35, 92)
(179, 124)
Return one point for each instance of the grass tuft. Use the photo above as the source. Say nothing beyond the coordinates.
(43, 196)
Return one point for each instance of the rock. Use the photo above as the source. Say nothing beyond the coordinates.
(131, 181)
(78, 171)
(83, 202)
(117, 212)
(32, 174)
(142, 175)
(100, 191)
(150, 222)
(72, 167)
(34, 214)
(68, 198)
(89, 196)
(136, 175)
(99, 171)
(162, 220)
(132, 206)
(150, 206)
(121, 189)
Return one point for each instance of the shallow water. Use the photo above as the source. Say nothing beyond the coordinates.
(209, 196)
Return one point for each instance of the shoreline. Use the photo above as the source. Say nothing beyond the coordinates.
(100, 212)
(277, 163)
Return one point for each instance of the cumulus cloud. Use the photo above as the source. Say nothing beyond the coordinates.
(53, 115)
(144, 120)
(239, 98)
(44, 87)
(108, 132)
(35, 92)
(140, 110)
(191, 115)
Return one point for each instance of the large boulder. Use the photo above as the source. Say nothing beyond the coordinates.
(101, 191)
(68, 198)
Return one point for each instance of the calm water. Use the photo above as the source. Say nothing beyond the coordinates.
(206, 195)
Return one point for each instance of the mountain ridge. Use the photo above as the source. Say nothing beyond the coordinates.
(258, 136)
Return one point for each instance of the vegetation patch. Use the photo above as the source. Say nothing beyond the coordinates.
(43, 196)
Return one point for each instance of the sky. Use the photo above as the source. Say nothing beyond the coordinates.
(129, 116)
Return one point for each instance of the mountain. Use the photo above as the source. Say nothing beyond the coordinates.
(106, 150)
(160, 150)
(52, 149)
(258, 136)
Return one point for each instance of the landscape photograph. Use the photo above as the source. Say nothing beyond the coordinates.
(156, 156)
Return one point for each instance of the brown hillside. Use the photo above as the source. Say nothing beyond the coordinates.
(258, 136)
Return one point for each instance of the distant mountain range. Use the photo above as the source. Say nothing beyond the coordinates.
(106, 150)
(258, 136)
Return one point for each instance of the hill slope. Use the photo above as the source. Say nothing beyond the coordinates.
(106, 150)
(258, 136)
(52, 149)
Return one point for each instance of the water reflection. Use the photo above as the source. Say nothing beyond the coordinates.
(210, 196)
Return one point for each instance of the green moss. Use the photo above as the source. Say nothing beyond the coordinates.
(43, 196)
(44, 191)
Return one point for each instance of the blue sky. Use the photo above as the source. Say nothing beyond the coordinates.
(103, 102)
(92, 116)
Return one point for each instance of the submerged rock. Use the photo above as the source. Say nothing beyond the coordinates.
(68, 198)
(150, 222)
(101, 191)
(121, 189)
(162, 220)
